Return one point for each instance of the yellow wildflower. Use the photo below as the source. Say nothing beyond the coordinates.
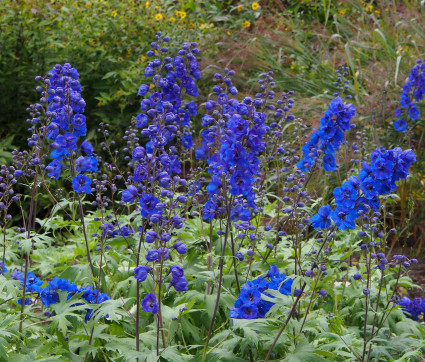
(114, 13)
(147, 4)
(377, 12)
(181, 14)
(342, 11)
(119, 92)
(240, 7)
(158, 16)
(88, 5)
(369, 8)
(152, 86)
(246, 24)
(255, 6)
(172, 20)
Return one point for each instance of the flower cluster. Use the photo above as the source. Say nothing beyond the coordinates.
(8, 178)
(178, 279)
(165, 122)
(67, 124)
(50, 294)
(414, 308)
(249, 304)
(164, 114)
(360, 194)
(415, 87)
(328, 139)
(232, 142)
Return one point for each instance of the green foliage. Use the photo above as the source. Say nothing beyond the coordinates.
(106, 41)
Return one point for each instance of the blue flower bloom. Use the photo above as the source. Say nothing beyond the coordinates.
(54, 169)
(414, 88)
(150, 304)
(148, 205)
(413, 308)
(49, 295)
(86, 164)
(329, 137)
(130, 194)
(87, 148)
(322, 220)
(249, 304)
(82, 184)
(400, 125)
(141, 272)
(179, 284)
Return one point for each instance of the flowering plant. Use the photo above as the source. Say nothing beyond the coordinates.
(169, 237)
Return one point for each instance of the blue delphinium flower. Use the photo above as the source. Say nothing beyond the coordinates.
(49, 295)
(82, 184)
(360, 194)
(178, 279)
(322, 220)
(150, 304)
(66, 124)
(92, 296)
(233, 139)
(54, 169)
(86, 164)
(249, 304)
(414, 308)
(328, 139)
(33, 284)
(141, 272)
(400, 125)
(413, 92)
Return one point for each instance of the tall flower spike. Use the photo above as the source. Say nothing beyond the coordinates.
(414, 88)
(328, 139)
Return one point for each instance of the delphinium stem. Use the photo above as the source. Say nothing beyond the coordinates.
(83, 225)
(29, 223)
(367, 294)
(220, 281)
(291, 312)
(4, 248)
(138, 292)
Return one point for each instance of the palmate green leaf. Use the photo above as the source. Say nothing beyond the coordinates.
(8, 288)
(111, 309)
(67, 312)
(3, 346)
(6, 336)
(173, 353)
(416, 355)
(190, 330)
(303, 352)
(223, 354)
(80, 272)
(142, 356)
(51, 261)
(120, 345)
